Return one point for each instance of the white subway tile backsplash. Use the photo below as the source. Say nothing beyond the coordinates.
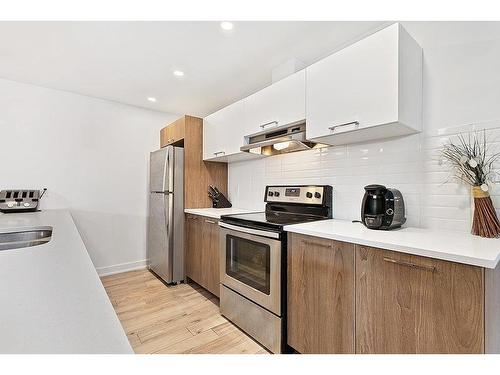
(410, 164)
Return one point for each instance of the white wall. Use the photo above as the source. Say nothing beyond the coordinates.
(93, 157)
(461, 87)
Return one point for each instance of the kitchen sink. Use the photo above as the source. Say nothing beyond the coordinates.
(19, 238)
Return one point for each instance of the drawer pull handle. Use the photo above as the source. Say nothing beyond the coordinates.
(411, 265)
(210, 221)
(355, 123)
(269, 123)
(219, 153)
(317, 244)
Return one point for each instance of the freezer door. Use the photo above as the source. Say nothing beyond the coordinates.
(159, 235)
(159, 170)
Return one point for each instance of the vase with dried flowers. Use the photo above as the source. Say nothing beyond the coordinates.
(473, 163)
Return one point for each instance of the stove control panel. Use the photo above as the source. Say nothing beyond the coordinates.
(307, 194)
(19, 200)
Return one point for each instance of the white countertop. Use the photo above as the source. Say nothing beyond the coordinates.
(216, 213)
(51, 298)
(445, 245)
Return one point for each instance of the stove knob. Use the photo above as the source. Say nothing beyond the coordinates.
(389, 211)
(276, 193)
(26, 204)
(270, 193)
(317, 195)
(309, 194)
(10, 204)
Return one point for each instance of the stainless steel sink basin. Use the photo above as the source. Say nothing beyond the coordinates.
(19, 238)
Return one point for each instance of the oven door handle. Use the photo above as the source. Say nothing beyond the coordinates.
(256, 232)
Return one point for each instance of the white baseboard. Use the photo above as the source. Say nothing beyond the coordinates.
(123, 267)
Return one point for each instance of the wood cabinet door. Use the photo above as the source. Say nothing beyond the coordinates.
(411, 304)
(193, 247)
(202, 252)
(320, 295)
(173, 132)
(210, 256)
(178, 131)
(165, 136)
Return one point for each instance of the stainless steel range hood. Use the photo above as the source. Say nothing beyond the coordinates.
(278, 140)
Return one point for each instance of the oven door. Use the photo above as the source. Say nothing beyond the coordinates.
(250, 264)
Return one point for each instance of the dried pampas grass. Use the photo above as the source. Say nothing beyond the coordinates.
(473, 164)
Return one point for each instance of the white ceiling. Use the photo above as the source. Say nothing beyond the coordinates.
(130, 61)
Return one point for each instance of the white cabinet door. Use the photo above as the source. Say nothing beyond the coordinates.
(223, 132)
(281, 103)
(360, 87)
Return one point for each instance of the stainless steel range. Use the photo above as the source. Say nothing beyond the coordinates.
(253, 259)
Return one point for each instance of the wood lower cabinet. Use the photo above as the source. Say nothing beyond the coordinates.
(320, 295)
(211, 257)
(412, 304)
(193, 229)
(202, 252)
(346, 298)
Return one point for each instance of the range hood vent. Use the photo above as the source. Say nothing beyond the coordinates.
(281, 140)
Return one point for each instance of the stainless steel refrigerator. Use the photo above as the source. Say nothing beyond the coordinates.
(166, 214)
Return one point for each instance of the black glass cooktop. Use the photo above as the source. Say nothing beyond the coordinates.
(271, 220)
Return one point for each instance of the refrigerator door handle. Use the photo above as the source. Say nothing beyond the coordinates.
(170, 166)
(166, 169)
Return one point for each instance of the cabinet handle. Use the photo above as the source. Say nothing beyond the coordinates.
(210, 221)
(355, 123)
(219, 152)
(411, 265)
(269, 123)
(317, 244)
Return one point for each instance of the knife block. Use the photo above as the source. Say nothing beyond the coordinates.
(222, 202)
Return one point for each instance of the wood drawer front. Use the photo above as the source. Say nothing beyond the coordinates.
(320, 295)
(412, 304)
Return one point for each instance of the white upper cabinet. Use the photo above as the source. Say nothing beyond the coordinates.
(223, 134)
(224, 131)
(281, 103)
(369, 90)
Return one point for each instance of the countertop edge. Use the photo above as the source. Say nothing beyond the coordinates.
(397, 248)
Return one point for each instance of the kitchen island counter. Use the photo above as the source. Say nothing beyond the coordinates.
(52, 300)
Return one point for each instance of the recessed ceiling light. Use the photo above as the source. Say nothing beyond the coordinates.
(226, 25)
(152, 99)
(178, 73)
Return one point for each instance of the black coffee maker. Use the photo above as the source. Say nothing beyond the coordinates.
(382, 208)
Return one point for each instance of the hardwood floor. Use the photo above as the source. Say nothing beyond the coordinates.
(173, 319)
